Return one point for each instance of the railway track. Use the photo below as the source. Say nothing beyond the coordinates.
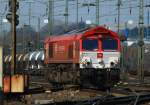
(44, 94)
(134, 99)
(74, 95)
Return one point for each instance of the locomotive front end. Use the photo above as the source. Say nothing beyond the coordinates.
(99, 58)
(100, 53)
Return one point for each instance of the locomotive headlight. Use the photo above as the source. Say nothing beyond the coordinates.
(113, 61)
(86, 61)
(112, 64)
(101, 62)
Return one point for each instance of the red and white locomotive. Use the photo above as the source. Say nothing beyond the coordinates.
(89, 57)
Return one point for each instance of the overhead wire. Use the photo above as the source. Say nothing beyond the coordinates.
(58, 12)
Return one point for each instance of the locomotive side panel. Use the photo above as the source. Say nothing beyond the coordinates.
(62, 52)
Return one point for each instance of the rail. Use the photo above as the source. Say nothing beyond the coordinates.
(133, 99)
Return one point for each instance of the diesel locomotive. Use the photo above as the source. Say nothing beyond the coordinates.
(89, 57)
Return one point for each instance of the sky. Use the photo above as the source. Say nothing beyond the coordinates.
(108, 12)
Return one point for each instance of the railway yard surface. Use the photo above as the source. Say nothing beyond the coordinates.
(124, 93)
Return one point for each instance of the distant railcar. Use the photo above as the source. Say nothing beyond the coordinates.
(131, 58)
(31, 61)
(89, 57)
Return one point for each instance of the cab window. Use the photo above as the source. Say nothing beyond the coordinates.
(90, 44)
(109, 44)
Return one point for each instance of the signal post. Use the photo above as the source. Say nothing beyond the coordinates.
(12, 17)
(16, 81)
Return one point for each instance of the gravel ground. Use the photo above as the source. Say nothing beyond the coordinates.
(65, 95)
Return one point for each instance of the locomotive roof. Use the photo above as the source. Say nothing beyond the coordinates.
(86, 32)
